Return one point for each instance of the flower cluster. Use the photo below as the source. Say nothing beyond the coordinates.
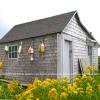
(80, 88)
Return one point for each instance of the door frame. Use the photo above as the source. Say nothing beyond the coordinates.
(60, 48)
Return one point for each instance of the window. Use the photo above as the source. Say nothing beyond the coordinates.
(12, 52)
(89, 50)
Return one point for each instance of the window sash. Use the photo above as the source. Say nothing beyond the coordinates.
(12, 52)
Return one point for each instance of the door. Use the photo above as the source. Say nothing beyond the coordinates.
(67, 54)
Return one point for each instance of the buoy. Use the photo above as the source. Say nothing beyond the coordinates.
(1, 64)
(6, 49)
(41, 47)
(20, 48)
(31, 52)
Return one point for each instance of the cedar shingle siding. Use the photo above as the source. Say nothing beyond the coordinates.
(43, 64)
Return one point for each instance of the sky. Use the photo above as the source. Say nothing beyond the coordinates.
(14, 12)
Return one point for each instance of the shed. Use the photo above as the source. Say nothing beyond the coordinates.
(64, 39)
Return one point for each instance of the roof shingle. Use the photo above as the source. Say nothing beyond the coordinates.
(39, 27)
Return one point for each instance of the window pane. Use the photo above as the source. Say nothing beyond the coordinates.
(9, 55)
(15, 48)
(9, 49)
(15, 54)
(12, 48)
(12, 54)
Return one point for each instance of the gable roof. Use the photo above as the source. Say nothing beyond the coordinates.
(39, 27)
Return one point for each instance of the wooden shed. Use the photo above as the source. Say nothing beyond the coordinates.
(64, 39)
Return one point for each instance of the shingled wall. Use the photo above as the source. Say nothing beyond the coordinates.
(23, 69)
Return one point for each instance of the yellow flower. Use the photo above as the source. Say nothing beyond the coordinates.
(53, 94)
(77, 79)
(72, 89)
(11, 87)
(99, 87)
(30, 96)
(37, 99)
(84, 77)
(37, 82)
(63, 96)
(1, 65)
(94, 68)
(29, 86)
(29, 99)
(0, 88)
(45, 84)
(89, 67)
(89, 89)
(91, 78)
(27, 92)
(74, 85)
(85, 70)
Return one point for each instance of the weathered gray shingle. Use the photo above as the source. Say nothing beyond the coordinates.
(39, 27)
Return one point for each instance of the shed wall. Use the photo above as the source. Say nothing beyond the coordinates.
(80, 48)
(43, 66)
(95, 56)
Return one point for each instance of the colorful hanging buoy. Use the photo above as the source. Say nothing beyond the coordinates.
(6, 48)
(1, 64)
(20, 48)
(41, 47)
(31, 52)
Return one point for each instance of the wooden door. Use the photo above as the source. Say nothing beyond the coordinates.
(67, 59)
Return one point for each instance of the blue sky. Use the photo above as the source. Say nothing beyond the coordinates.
(14, 12)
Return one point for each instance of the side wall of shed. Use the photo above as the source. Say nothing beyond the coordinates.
(95, 56)
(80, 49)
(25, 70)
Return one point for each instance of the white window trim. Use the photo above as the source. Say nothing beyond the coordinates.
(17, 52)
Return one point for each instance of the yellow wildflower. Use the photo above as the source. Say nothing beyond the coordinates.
(94, 68)
(72, 89)
(26, 92)
(74, 85)
(54, 81)
(84, 77)
(99, 87)
(11, 87)
(29, 86)
(77, 79)
(89, 89)
(0, 88)
(15, 82)
(53, 94)
(37, 82)
(49, 80)
(37, 99)
(91, 78)
(30, 96)
(85, 70)
(89, 67)
(45, 84)
(29, 99)
(1, 65)
(63, 96)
